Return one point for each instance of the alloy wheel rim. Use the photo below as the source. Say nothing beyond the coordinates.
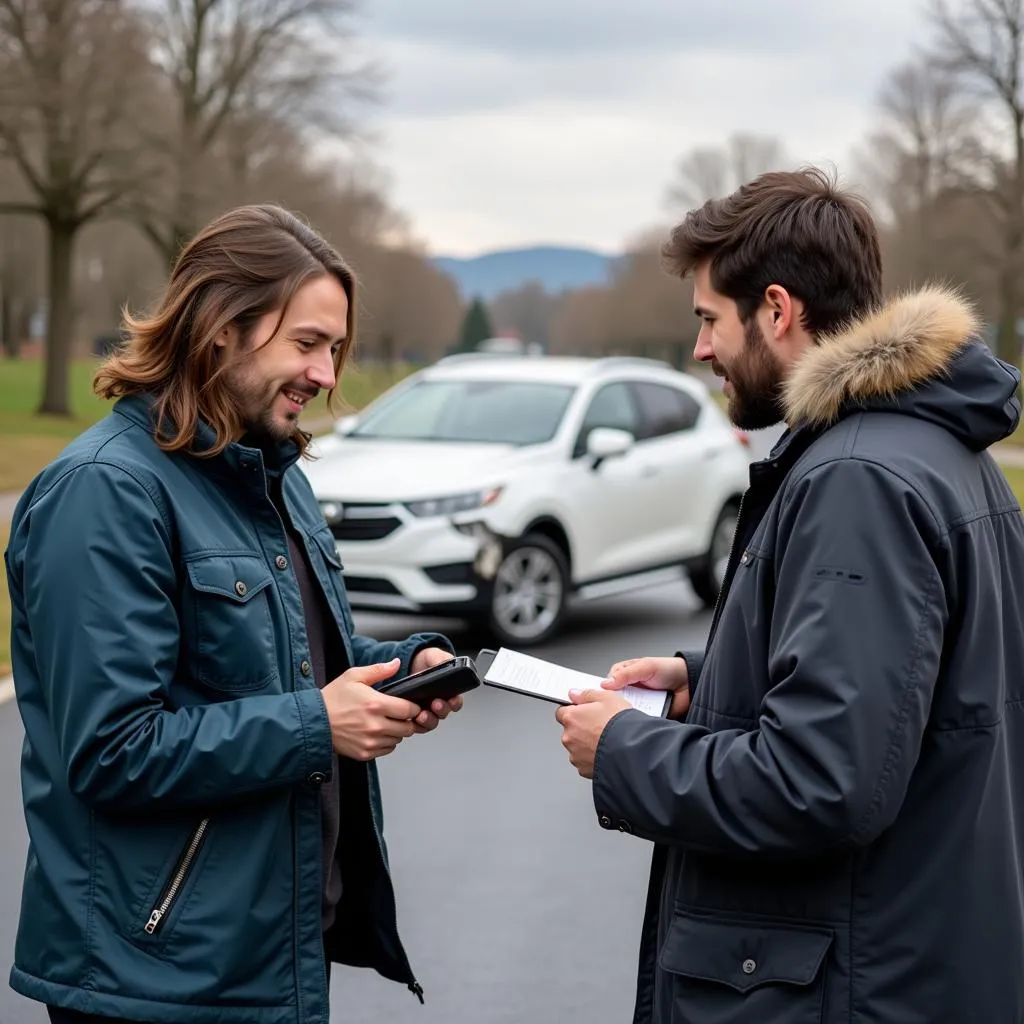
(528, 592)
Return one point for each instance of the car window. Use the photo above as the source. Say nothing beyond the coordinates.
(666, 410)
(485, 411)
(612, 406)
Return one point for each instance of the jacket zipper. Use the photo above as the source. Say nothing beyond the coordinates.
(730, 571)
(413, 986)
(178, 879)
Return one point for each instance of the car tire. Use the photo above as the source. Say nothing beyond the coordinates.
(707, 576)
(529, 593)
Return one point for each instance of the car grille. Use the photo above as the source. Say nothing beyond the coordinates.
(365, 529)
(369, 585)
(454, 572)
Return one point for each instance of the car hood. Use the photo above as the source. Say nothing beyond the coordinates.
(368, 470)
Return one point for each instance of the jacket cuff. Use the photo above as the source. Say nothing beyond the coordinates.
(694, 665)
(318, 750)
(419, 642)
(610, 812)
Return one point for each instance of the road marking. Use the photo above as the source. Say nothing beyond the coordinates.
(6, 690)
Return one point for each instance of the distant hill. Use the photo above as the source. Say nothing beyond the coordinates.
(555, 267)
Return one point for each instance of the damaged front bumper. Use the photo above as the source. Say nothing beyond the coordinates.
(441, 566)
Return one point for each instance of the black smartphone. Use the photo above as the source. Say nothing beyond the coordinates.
(442, 682)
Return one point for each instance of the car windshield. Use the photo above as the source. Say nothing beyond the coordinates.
(483, 411)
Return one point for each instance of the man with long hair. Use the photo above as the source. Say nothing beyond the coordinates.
(200, 726)
(837, 798)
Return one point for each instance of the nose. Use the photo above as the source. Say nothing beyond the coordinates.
(321, 372)
(703, 351)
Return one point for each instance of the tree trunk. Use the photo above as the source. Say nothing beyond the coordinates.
(7, 325)
(56, 398)
(387, 349)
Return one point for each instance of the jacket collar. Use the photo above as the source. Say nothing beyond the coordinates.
(908, 341)
(273, 459)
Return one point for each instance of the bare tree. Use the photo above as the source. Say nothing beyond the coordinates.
(924, 156)
(232, 67)
(69, 70)
(711, 172)
(580, 325)
(411, 309)
(982, 43)
(702, 174)
(21, 265)
(528, 311)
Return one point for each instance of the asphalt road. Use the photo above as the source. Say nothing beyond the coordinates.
(514, 905)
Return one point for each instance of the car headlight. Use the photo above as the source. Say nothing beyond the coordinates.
(333, 511)
(449, 506)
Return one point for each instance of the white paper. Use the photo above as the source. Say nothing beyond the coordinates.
(531, 675)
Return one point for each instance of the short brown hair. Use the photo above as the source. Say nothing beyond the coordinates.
(247, 263)
(795, 229)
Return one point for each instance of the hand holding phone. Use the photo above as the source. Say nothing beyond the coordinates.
(446, 681)
(363, 725)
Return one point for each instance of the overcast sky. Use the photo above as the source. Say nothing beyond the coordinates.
(560, 121)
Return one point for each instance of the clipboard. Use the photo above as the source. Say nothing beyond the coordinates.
(524, 674)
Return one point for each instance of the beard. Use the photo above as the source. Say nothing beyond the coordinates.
(756, 379)
(255, 400)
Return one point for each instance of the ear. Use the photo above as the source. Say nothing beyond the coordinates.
(783, 311)
(227, 337)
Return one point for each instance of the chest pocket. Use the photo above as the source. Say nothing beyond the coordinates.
(226, 622)
(333, 575)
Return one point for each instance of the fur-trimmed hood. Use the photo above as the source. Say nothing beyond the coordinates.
(920, 354)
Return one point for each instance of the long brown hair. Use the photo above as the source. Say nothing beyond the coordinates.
(796, 229)
(247, 263)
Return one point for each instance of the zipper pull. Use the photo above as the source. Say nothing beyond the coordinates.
(417, 990)
(154, 920)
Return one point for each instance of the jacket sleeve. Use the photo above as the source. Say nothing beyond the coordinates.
(855, 647)
(694, 664)
(368, 651)
(99, 587)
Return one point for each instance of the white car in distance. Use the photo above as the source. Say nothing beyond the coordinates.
(501, 489)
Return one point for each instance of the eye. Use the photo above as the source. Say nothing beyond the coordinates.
(335, 348)
(306, 345)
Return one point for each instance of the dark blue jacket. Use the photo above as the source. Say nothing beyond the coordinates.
(839, 822)
(176, 743)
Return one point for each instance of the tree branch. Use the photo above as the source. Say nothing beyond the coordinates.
(30, 208)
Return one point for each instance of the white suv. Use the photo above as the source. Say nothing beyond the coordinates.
(500, 488)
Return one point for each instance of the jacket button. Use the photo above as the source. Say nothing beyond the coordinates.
(241, 589)
(305, 668)
(749, 966)
(281, 562)
(624, 826)
(604, 821)
(317, 779)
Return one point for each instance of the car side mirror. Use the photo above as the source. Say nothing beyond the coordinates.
(346, 425)
(607, 443)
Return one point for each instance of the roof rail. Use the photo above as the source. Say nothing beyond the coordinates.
(610, 362)
(463, 357)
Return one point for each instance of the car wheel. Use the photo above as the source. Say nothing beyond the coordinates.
(530, 592)
(708, 577)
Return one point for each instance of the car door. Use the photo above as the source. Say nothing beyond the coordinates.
(672, 450)
(611, 515)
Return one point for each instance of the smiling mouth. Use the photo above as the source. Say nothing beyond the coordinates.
(300, 398)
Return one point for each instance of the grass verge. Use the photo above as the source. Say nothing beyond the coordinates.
(29, 441)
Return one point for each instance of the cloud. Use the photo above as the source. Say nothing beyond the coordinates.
(600, 26)
(532, 121)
